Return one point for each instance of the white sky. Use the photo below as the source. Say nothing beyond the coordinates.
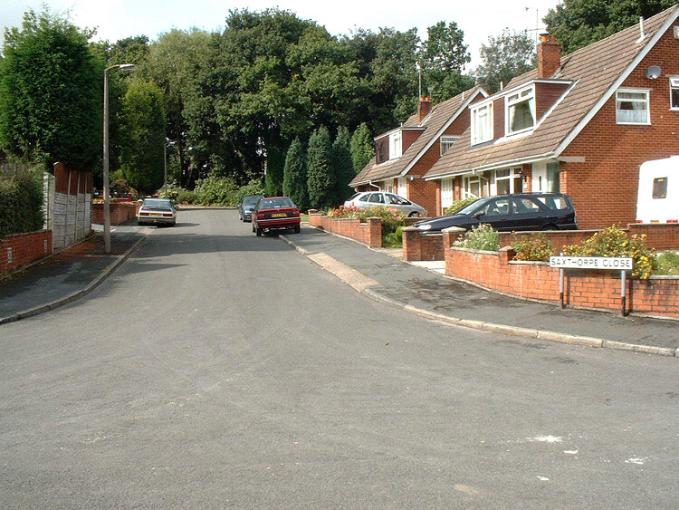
(116, 19)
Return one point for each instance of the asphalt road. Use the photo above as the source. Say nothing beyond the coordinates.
(215, 369)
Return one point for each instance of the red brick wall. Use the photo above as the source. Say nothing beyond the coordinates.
(546, 94)
(585, 289)
(420, 246)
(369, 233)
(498, 118)
(121, 212)
(25, 248)
(408, 136)
(604, 187)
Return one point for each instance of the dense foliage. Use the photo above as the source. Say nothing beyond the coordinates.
(342, 165)
(50, 92)
(535, 248)
(20, 202)
(295, 176)
(577, 23)
(362, 147)
(483, 237)
(504, 57)
(668, 264)
(614, 242)
(321, 178)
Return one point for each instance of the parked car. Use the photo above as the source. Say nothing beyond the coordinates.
(518, 212)
(159, 211)
(366, 199)
(246, 206)
(275, 213)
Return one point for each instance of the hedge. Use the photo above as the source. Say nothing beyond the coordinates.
(20, 203)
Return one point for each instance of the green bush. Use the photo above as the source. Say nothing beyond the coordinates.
(186, 196)
(483, 237)
(613, 242)
(668, 264)
(459, 205)
(216, 191)
(393, 239)
(391, 218)
(534, 248)
(21, 203)
(254, 187)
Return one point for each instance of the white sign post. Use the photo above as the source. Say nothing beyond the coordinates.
(622, 264)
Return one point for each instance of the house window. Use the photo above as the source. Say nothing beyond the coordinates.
(381, 150)
(446, 193)
(446, 143)
(520, 111)
(660, 187)
(631, 106)
(474, 186)
(508, 181)
(674, 92)
(395, 146)
(482, 123)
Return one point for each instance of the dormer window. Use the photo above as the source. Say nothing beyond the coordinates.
(482, 122)
(631, 106)
(520, 111)
(395, 145)
(446, 142)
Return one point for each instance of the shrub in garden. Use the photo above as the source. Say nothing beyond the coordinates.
(613, 242)
(393, 239)
(254, 187)
(391, 218)
(534, 248)
(216, 191)
(459, 205)
(483, 237)
(20, 203)
(668, 264)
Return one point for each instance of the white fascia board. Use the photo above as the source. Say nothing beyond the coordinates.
(617, 83)
(494, 166)
(387, 133)
(438, 134)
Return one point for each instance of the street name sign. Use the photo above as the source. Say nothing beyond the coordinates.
(608, 263)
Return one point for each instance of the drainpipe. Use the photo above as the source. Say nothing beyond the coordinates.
(370, 183)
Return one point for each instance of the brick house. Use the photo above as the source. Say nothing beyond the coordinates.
(581, 124)
(403, 155)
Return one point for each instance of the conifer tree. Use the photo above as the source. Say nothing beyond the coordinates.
(342, 164)
(320, 175)
(295, 175)
(362, 147)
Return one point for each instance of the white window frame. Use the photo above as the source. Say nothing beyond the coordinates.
(474, 114)
(446, 193)
(448, 140)
(514, 172)
(674, 85)
(469, 179)
(647, 93)
(519, 97)
(395, 145)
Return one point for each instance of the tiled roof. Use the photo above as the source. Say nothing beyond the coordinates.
(593, 69)
(433, 123)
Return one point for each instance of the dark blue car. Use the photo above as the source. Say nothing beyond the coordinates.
(246, 206)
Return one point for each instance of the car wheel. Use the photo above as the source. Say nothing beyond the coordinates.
(298, 229)
(173, 224)
(413, 214)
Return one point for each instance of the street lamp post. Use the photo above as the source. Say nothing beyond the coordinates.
(107, 197)
(167, 143)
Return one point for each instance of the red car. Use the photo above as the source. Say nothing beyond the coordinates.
(275, 213)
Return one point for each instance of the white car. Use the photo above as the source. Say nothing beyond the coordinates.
(366, 199)
(157, 211)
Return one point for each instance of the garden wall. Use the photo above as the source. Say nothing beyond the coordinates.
(19, 250)
(121, 212)
(419, 245)
(536, 280)
(369, 233)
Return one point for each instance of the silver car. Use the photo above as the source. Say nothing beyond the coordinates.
(366, 199)
(158, 211)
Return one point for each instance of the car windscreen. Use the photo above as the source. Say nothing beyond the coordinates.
(471, 208)
(275, 203)
(251, 200)
(157, 205)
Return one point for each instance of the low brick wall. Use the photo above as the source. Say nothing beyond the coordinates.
(536, 280)
(369, 233)
(19, 250)
(121, 212)
(419, 245)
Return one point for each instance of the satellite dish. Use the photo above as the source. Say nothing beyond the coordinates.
(653, 72)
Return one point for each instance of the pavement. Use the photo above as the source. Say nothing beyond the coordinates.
(423, 290)
(65, 276)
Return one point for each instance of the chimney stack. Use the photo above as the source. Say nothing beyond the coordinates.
(424, 107)
(549, 56)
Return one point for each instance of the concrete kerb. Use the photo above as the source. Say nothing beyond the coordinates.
(52, 305)
(491, 327)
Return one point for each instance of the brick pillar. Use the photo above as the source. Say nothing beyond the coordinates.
(375, 229)
(505, 254)
(412, 246)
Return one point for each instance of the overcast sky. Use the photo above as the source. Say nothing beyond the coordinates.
(116, 19)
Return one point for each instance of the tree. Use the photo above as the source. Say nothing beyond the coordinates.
(342, 164)
(504, 57)
(320, 176)
(362, 147)
(295, 175)
(143, 115)
(577, 23)
(50, 92)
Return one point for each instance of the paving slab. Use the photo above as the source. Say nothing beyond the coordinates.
(420, 288)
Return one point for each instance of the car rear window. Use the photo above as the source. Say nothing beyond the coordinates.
(555, 202)
(275, 203)
(157, 205)
(525, 206)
